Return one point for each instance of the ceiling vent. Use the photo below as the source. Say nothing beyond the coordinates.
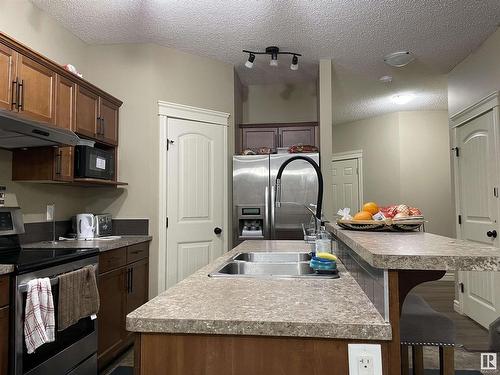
(399, 59)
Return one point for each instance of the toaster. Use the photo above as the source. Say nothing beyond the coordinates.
(103, 225)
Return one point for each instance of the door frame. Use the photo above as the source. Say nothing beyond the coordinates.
(347, 155)
(488, 103)
(166, 111)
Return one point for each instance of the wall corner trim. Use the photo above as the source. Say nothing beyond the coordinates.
(182, 111)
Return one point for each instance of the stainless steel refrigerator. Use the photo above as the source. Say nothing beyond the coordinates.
(254, 214)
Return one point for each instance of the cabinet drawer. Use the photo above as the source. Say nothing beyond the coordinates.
(112, 259)
(137, 252)
(4, 290)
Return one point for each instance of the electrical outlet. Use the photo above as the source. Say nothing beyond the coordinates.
(365, 359)
(51, 208)
(365, 364)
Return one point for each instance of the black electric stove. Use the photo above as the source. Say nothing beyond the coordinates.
(27, 260)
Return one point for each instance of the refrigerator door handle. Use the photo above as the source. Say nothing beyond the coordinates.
(266, 213)
(273, 192)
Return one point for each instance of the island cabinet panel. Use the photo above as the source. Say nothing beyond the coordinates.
(8, 70)
(123, 283)
(37, 88)
(179, 354)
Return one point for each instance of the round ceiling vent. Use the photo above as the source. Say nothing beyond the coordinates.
(399, 59)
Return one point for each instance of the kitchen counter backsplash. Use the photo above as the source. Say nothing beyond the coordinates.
(42, 231)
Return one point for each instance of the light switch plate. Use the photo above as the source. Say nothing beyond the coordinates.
(365, 359)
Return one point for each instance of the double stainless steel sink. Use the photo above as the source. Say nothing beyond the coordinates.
(267, 264)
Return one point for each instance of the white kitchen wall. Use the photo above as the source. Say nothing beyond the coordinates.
(279, 103)
(406, 159)
(475, 77)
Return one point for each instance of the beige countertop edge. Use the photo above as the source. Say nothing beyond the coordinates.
(418, 251)
(6, 269)
(102, 245)
(372, 332)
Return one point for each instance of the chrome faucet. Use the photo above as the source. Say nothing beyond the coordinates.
(319, 200)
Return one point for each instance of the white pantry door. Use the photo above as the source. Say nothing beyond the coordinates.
(478, 176)
(345, 185)
(195, 196)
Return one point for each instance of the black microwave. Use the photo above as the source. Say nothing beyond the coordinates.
(91, 162)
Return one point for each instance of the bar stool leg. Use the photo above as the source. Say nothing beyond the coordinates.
(405, 363)
(446, 360)
(418, 359)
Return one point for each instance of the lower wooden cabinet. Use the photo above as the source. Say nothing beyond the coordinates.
(4, 340)
(123, 287)
(4, 323)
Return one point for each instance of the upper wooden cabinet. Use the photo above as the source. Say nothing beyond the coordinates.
(8, 70)
(254, 136)
(36, 90)
(108, 115)
(87, 112)
(65, 103)
(96, 117)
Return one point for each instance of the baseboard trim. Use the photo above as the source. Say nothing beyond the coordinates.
(457, 307)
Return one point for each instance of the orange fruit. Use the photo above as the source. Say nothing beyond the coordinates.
(363, 215)
(371, 207)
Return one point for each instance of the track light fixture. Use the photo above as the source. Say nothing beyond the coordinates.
(273, 52)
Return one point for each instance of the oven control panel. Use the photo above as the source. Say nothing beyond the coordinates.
(11, 221)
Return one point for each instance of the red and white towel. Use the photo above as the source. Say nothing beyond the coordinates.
(39, 325)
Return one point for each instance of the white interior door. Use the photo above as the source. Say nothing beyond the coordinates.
(345, 185)
(478, 176)
(196, 175)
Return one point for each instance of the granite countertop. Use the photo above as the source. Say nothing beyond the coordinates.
(324, 308)
(103, 245)
(6, 268)
(418, 251)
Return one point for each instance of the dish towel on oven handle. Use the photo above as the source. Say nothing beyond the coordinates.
(78, 296)
(39, 324)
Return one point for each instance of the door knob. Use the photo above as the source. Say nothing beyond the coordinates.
(492, 233)
(217, 230)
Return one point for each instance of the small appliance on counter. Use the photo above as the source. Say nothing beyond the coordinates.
(89, 226)
(92, 162)
(84, 226)
(103, 225)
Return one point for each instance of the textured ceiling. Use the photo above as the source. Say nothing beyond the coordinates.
(356, 34)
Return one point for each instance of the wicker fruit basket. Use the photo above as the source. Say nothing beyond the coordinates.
(407, 224)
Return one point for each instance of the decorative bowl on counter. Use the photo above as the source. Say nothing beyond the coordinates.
(407, 224)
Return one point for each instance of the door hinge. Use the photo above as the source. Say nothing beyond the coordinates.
(457, 151)
(460, 219)
(462, 288)
(495, 192)
(167, 223)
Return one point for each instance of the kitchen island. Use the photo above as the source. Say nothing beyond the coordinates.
(263, 325)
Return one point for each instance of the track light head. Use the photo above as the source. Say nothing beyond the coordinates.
(295, 63)
(249, 62)
(274, 60)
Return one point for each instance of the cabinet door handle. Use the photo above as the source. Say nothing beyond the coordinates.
(14, 94)
(103, 126)
(131, 280)
(20, 94)
(98, 130)
(59, 162)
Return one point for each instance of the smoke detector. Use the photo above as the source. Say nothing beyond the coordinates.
(399, 59)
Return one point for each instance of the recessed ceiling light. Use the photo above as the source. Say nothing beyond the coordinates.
(402, 98)
(399, 59)
(385, 79)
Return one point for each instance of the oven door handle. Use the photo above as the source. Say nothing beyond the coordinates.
(24, 287)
